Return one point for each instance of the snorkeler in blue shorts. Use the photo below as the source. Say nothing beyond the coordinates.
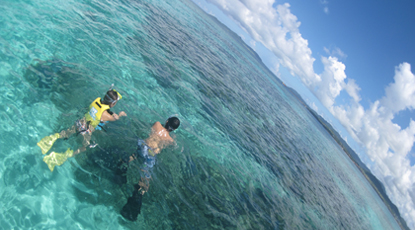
(147, 150)
(149, 158)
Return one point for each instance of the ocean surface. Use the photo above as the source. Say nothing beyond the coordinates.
(248, 155)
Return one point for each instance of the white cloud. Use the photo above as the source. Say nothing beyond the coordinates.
(335, 52)
(332, 81)
(352, 115)
(325, 8)
(387, 144)
(253, 44)
(353, 90)
(314, 107)
(276, 69)
(277, 29)
(400, 95)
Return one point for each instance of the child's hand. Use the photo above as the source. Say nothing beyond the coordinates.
(122, 114)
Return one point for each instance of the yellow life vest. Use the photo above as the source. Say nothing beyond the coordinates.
(95, 112)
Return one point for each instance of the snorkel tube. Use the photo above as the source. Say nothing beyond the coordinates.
(108, 99)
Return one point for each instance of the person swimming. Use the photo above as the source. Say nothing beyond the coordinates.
(98, 114)
(147, 150)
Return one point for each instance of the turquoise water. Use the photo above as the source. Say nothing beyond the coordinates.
(248, 154)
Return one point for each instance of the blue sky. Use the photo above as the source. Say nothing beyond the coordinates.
(351, 61)
(375, 37)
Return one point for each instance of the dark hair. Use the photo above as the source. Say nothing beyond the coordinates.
(110, 97)
(172, 123)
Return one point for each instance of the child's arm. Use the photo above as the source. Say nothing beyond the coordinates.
(108, 117)
(121, 114)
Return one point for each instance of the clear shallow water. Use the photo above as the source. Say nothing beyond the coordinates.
(248, 155)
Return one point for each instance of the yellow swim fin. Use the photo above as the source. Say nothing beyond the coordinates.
(55, 159)
(47, 142)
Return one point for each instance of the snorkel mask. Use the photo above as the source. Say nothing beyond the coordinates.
(110, 100)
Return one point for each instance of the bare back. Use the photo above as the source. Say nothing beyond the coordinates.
(159, 138)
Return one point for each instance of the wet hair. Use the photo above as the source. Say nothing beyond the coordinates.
(172, 123)
(110, 97)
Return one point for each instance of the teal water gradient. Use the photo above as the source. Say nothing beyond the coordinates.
(248, 154)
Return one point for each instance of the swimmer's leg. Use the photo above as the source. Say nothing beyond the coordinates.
(86, 142)
(47, 142)
(55, 159)
(120, 174)
(65, 134)
(131, 210)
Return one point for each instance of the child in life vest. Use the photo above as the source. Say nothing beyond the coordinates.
(98, 114)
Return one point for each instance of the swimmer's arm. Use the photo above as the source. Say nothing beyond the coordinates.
(144, 184)
(108, 117)
(156, 150)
